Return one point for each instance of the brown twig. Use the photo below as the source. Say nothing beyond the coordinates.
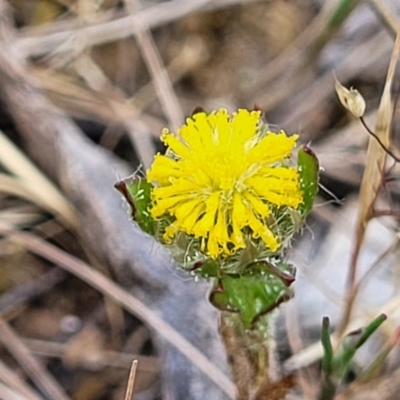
(388, 151)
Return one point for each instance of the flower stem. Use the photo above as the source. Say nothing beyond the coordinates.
(251, 354)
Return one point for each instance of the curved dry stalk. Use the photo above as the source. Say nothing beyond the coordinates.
(33, 184)
(371, 182)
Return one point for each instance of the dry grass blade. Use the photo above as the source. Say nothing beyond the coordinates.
(22, 293)
(162, 83)
(12, 380)
(106, 32)
(385, 15)
(27, 215)
(10, 394)
(88, 70)
(109, 358)
(31, 366)
(43, 192)
(12, 186)
(131, 381)
(126, 300)
(296, 61)
(372, 179)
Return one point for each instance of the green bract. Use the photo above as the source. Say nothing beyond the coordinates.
(137, 193)
(308, 167)
(254, 293)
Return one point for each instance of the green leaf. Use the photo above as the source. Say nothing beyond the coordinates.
(137, 192)
(253, 294)
(351, 343)
(308, 167)
(327, 346)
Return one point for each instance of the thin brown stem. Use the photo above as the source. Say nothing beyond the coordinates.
(389, 152)
(351, 281)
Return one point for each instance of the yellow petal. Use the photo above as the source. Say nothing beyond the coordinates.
(286, 173)
(189, 222)
(239, 214)
(222, 129)
(170, 232)
(186, 209)
(220, 230)
(259, 206)
(205, 129)
(245, 124)
(261, 230)
(178, 187)
(191, 136)
(273, 147)
(207, 221)
(238, 220)
(277, 191)
(163, 169)
(237, 238)
(176, 145)
(213, 249)
(165, 205)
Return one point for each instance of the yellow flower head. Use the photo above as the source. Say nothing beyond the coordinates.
(221, 178)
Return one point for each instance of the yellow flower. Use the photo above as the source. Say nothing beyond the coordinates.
(221, 178)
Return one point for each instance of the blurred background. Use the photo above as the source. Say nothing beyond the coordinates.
(86, 87)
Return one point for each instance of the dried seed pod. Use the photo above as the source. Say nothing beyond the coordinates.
(350, 99)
